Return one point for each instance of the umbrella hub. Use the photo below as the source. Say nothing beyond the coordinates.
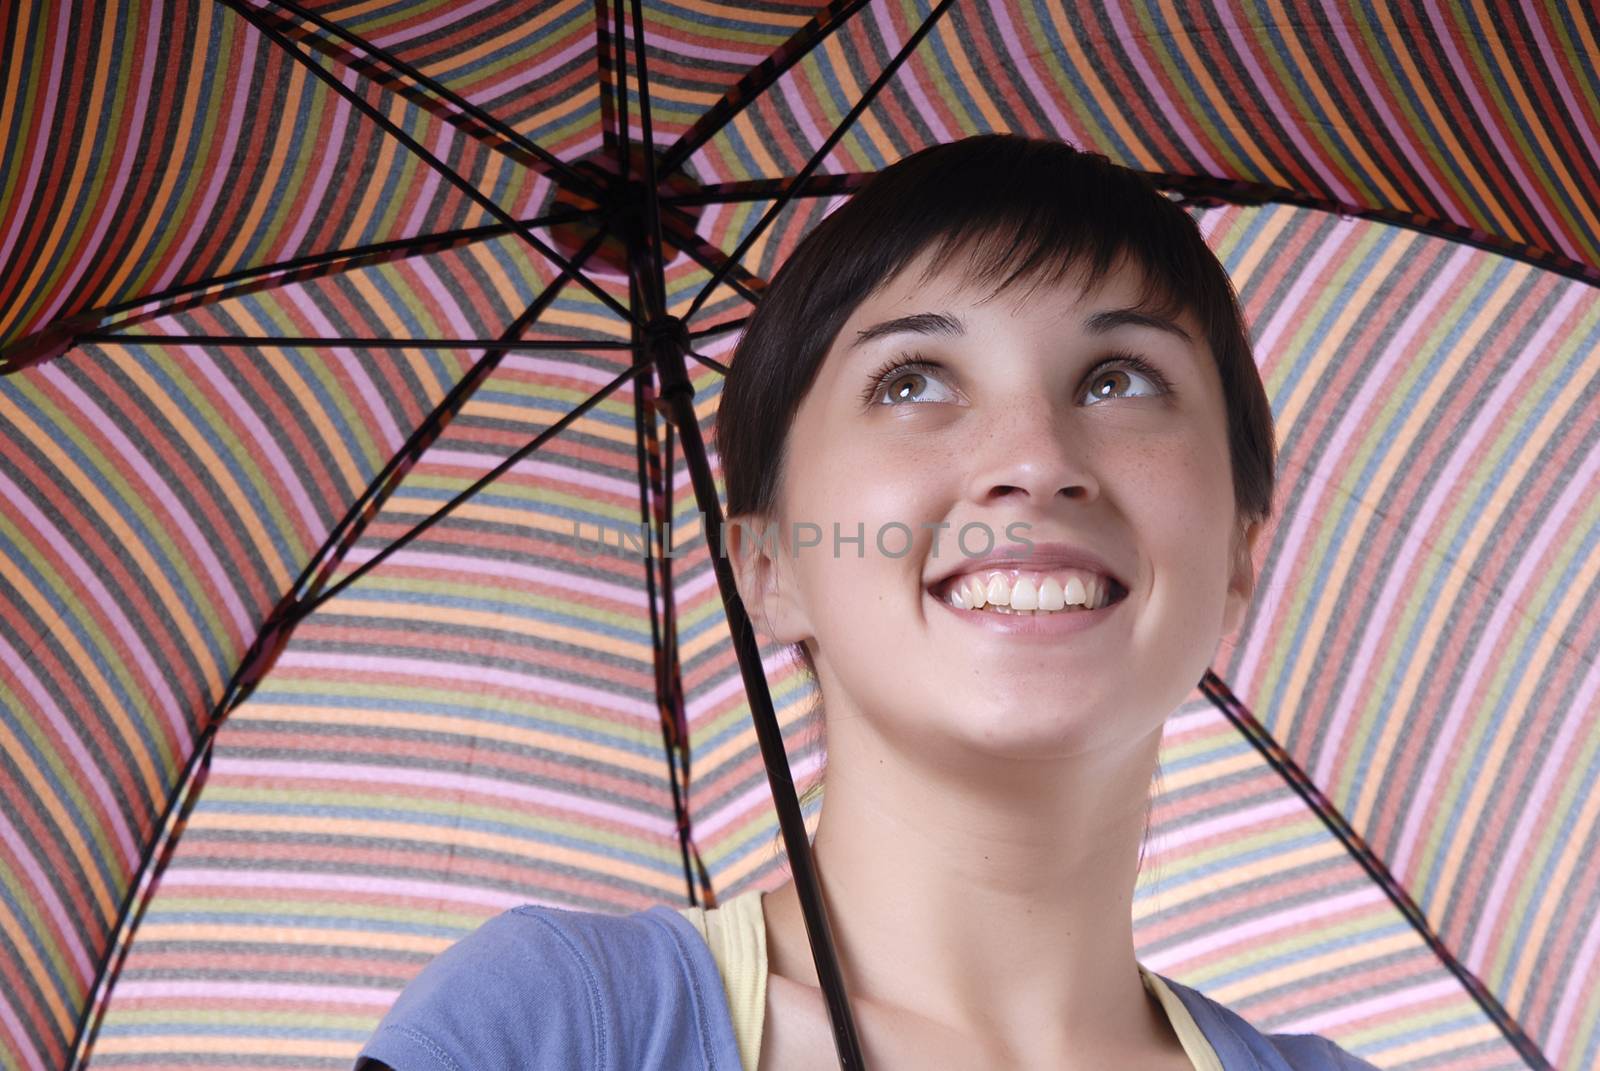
(626, 193)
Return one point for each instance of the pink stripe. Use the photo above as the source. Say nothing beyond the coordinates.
(38, 150)
(1255, 931)
(581, 47)
(546, 472)
(243, 415)
(631, 596)
(1342, 234)
(422, 210)
(907, 74)
(344, 129)
(428, 282)
(1287, 806)
(348, 665)
(1043, 95)
(1292, 123)
(44, 894)
(108, 604)
(538, 190)
(1575, 111)
(46, 703)
(1373, 1008)
(15, 1031)
(1340, 440)
(197, 216)
(293, 992)
(125, 165)
(1530, 565)
(376, 409)
(1581, 989)
(1515, 864)
(756, 801)
(801, 108)
(453, 15)
(1492, 122)
(706, 700)
(1383, 116)
(680, 47)
(349, 774)
(197, 543)
(202, 877)
(559, 369)
(1163, 104)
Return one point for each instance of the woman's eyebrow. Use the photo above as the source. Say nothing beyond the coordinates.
(921, 323)
(940, 323)
(1111, 319)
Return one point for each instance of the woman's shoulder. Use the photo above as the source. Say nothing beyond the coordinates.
(540, 986)
(1239, 1044)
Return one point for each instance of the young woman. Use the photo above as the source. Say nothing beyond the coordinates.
(1009, 386)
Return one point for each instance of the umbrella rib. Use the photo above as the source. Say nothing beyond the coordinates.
(663, 634)
(1203, 190)
(311, 266)
(758, 79)
(1223, 698)
(464, 106)
(619, 79)
(792, 184)
(449, 175)
(711, 258)
(649, 283)
(304, 609)
(1207, 190)
(717, 329)
(657, 296)
(824, 185)
(366, 507)
(708, 361)
(528, 345)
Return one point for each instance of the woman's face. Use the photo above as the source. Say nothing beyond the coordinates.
(1018, 421)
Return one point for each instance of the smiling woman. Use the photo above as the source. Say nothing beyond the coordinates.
(1013, 382)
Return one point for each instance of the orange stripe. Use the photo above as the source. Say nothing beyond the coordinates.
(1198, 70)
(153, 220)
(1307, 68)
(519, 847)
(1147, 160)
(249, 228)
(105, 514)
(467, 727)
(1528, 116)
(81, 140)
(1441, 127)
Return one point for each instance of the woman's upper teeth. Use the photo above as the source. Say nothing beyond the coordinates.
(1022, 589)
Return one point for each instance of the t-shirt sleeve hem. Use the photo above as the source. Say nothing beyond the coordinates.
(405, 1049)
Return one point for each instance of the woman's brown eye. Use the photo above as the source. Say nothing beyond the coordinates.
(907, 386)
(1105, 377)
(1128, 368)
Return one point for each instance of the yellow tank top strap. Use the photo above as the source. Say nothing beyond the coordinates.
(736, 933)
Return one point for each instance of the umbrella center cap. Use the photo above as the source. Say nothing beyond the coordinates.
(623, 196)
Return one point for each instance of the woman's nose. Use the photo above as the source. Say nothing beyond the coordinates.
(1035, 450)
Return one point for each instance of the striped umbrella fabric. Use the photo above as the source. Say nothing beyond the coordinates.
(353, 587)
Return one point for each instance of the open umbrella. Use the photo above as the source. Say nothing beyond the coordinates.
(358, 571)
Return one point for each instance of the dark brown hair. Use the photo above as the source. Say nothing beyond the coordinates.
(1019, 209)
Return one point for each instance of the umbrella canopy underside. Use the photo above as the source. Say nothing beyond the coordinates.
(1375, 830)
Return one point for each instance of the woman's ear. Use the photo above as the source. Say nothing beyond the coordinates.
(1242, 582)
(764, 574)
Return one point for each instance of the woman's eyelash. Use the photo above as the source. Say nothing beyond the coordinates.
(907, 363)
(895, 366)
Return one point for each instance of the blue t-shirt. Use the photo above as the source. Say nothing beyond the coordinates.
(546, 989)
